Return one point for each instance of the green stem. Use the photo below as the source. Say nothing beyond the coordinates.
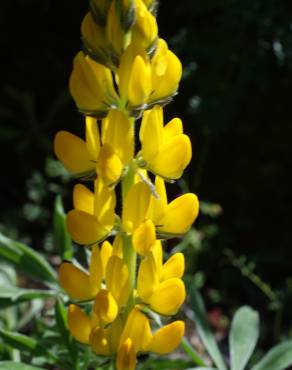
(129, 253)
(191, 352)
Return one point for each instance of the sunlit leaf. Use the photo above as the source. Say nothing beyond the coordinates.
(278, 358)
(243, 337)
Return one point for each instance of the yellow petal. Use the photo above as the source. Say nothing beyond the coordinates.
(94, 36)
(83, 199)
(114, 31)
(148, 278)
(114, 332)
(72, 152)
(117, 279)
(92, 137)
(168, 297)
(95, 268)
(126, 358)
(76, 282)
(159, 206)
(138, 329)
(84, 228)
(105, 307)
(172, 158)
(159, 61)
(167, 84)
(157, 254)
(174, 267)
(151, 133)
(144, 31)
(109, 166)
(179, 215)
(118, 246)
(99, 342)
(125, 69)
(118, 131)
(167, 338)
(106, 251)
(139, 87)
(104, 204)
(173, 128)
(136, 206)
(79, 324)
(144, 237)
(91, 85)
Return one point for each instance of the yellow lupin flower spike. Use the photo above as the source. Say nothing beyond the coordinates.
(125, 72)
(166, 150)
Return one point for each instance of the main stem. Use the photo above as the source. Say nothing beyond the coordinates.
(129, 253)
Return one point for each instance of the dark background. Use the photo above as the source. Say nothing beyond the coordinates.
(235, 101)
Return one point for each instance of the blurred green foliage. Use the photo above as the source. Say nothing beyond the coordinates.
(235, 101)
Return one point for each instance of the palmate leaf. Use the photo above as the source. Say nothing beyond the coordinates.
(26, 260)
(278, 358)
(243, 336)
(204, 328)
(11, 365)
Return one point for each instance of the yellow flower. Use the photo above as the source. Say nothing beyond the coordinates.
(176, 217)
(144, 31)
(166, 71)
(170, 219)
(91, 86)
(160, 285)
(114, 30)
(126, 359)
(81, 285)
(137, 337)
(118, 131)
(134, 77)
(79, 156)
(117, 279)
(93, 216)
(95, 42)
(166, 150)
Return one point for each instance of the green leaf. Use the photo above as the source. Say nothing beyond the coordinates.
(243, 336)
(11, 365)
(204, 328)
(22, 342)
(278, 358)
(11, 295)
(61, 320)
(26, 260)
(61, 236)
